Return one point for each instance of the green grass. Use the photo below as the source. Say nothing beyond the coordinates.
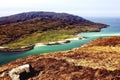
(48, 36)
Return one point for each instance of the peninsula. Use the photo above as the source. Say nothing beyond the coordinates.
(25, 29)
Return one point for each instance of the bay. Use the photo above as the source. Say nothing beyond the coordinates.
(112, 30)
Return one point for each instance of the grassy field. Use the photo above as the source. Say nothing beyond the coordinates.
(48, 36)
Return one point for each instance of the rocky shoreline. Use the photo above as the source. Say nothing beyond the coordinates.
(30, 47)
(21, 49)
(60, 42)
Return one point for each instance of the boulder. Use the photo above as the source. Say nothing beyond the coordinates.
(15, 72)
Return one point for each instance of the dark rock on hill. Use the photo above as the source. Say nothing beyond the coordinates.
(50, 15)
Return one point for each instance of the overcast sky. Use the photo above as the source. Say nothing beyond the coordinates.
(110, 8)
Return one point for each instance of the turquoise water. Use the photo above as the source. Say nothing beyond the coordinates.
(112, 30)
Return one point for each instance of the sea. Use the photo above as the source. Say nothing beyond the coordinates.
(112, 30)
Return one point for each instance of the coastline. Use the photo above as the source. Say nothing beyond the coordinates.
(59, 42)
(21, 49)
(30, 47)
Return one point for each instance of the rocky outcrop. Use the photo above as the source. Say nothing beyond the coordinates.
(21, 49)
(15, 72)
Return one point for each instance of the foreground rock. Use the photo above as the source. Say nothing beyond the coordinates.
(15, 72)
(52, 69)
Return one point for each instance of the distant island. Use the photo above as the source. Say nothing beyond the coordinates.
(22, 31)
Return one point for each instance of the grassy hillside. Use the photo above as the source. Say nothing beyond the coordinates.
(41, 30)
(109, 41)
(19, 28)
(101, 61)
(48, 36)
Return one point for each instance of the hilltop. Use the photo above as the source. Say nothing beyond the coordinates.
(101, 61)
(65, 17)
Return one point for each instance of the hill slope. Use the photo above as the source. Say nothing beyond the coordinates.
(96, 62)
(17, 27)
(72, 19)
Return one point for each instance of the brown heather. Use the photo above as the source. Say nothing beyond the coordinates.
(101, 61)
